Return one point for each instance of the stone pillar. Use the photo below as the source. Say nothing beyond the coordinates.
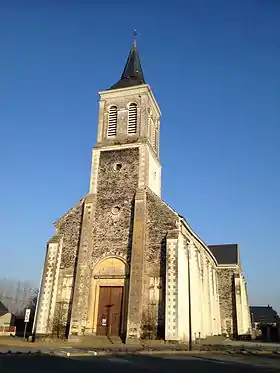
(202, 334)
(246, 317)
(209, 313)
(206, 318)
(136, 268)
(210, 299)
(199, 310)
(195, 292)
(83, 272)
(238, 302)
(217, 329)
(184, 291)
(48, 291)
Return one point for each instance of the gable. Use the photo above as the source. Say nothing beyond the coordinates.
(225, 254)
(263, 314)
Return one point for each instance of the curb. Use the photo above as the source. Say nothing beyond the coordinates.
(276, 354)
(68, 353)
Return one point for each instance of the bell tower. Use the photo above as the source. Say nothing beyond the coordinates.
(129, 117)
(125, 164)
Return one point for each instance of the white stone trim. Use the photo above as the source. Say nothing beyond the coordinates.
(242, 307)
(100, 127)
(49, 289)
(94, 171)
(142, 177)
(117, 147)
(171, 297)
(153, 166)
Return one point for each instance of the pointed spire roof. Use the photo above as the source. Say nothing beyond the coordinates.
(132, 74)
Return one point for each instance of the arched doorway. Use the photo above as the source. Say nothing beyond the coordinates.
(108, 300)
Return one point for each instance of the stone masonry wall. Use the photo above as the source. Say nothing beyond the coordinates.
(112, 233)
(69, 228)
(227, 299)
(160, 220)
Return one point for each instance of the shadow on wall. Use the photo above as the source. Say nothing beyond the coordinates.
(153, 319)
(234, 315)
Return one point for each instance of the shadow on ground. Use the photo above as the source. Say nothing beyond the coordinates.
(52, 364)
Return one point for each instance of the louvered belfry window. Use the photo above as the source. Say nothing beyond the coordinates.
(112, 121)
(132, 119)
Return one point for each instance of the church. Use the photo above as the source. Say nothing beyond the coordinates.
(122, 262)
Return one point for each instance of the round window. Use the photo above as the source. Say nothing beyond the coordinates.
(116, 210)
(117, 166)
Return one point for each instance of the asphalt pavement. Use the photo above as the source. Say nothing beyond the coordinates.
(23, 363)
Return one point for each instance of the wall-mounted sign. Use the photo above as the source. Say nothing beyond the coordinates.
(27, 315)
(104, 322)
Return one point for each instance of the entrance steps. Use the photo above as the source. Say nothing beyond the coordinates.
(100, 341)
(213, 340)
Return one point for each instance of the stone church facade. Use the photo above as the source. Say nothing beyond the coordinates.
(122, 262)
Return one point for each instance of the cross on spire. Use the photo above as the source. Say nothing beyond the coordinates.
(134, 36)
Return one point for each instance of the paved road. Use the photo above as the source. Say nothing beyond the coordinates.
(137, 364)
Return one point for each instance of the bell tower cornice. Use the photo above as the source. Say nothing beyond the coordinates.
(124, 92)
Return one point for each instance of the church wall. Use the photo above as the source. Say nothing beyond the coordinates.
(59, 263)
(69, 226)
(160, 220)
(183, 290)
(227, 299)
(154, 174)
(108, 231)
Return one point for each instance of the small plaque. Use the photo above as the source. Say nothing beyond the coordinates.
(104, 322)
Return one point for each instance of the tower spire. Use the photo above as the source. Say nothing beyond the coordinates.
(132, 74)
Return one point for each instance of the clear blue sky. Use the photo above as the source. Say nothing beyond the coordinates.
(214, 68)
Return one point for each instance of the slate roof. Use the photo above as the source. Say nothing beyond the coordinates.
(264, 314)
(225, 254)
(132, 74)
(3, 309)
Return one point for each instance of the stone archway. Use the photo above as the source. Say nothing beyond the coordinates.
(108, 297)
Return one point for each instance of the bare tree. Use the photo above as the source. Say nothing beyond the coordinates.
(59, 321)
(16, 295)
(149, 323)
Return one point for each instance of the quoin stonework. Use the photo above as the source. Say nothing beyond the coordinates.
(124, 263)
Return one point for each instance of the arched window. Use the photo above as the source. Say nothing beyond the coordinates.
(132, 119)
(112, 121)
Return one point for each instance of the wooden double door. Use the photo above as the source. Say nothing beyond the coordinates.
(110, 304)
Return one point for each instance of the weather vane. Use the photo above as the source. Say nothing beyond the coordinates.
(134, 35)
